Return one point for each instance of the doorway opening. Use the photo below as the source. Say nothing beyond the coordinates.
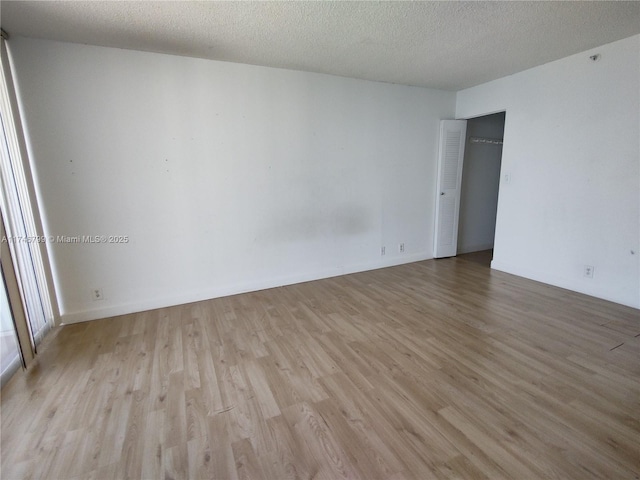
(480, 184)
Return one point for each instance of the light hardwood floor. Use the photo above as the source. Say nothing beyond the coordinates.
(437, 369)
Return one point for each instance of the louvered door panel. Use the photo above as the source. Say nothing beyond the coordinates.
(450, 156)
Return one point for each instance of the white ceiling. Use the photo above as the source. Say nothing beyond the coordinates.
(447, 45)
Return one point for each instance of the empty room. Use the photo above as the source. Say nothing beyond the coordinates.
(320, 240)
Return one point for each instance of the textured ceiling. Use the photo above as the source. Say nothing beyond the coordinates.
(447, 45)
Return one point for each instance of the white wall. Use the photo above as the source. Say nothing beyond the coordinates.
(225, 177)
(572, 150)
(480, 182)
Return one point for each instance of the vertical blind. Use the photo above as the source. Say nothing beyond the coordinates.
(26, 241)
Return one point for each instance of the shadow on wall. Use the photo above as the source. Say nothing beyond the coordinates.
(303, 224)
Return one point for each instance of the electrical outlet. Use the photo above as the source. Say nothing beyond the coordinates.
(588, 271)
(401, 247)
(507, 178)
(96, 294)
(383, 251)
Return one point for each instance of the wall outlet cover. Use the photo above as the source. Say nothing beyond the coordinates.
(588, 271)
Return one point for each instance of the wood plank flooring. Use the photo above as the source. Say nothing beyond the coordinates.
(437, 369)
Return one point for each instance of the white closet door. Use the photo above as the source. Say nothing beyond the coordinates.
(450, 157)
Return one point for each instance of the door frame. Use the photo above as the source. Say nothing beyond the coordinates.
(438, 191)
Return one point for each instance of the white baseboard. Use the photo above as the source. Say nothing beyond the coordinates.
(475, 248)
(251, 286)
(561, 282)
